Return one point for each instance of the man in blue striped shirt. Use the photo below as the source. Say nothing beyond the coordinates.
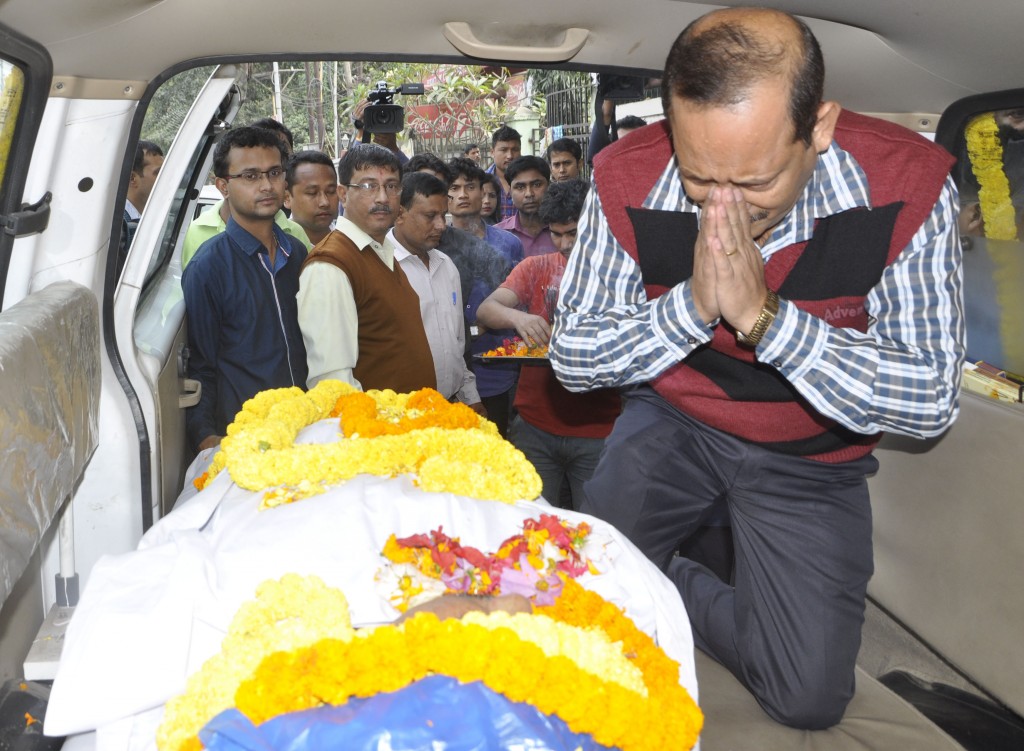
(774, 283)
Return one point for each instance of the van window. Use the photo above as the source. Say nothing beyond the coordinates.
(12, 89)
(990, 172)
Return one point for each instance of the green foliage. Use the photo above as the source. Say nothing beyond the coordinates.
(171, 103)
(471, 101)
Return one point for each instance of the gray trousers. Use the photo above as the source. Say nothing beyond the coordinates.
(557, 459)
(790, 627)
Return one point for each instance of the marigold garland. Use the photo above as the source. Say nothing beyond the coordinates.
(361, 416)
(286, 614)
(562, 668)
(985, 150)
(448, 447)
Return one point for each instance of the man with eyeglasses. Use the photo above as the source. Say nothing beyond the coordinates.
(359, 314)
(214, 220)
(243, 328)
(528, 178)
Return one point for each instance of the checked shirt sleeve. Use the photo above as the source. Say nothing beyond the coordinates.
(607, 333)
(903, 374)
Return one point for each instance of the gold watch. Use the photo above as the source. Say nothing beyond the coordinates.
(768, 312)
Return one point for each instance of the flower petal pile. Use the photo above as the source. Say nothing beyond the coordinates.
(532, 563)
(516, 347)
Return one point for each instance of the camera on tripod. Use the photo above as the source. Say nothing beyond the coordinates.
(382, 115)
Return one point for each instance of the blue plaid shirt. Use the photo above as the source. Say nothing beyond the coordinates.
(902, 375)
(505, 206)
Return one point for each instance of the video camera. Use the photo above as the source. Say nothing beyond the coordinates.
(382, 115)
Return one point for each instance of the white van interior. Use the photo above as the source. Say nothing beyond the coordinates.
(93, 362)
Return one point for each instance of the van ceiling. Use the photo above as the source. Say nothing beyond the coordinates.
(881, 55)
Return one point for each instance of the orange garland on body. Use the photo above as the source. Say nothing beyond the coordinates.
(332, 671)
(425, 408)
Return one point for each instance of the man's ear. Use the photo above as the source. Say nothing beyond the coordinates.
(287, 198)
(825, 126)
(221, 185)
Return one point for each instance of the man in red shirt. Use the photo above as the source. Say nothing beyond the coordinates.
(561, 433)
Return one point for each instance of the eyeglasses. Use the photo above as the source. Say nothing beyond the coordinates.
(390, 188)
(254, 175)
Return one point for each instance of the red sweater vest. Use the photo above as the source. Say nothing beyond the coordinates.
(722, 384)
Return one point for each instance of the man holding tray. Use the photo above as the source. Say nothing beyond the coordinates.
(561, 433)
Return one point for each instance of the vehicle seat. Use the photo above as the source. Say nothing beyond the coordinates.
(876, 719)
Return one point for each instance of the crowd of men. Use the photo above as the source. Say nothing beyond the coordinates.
(730, 329)
(373, 273)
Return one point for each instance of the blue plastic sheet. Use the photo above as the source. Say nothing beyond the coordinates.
(437, 712)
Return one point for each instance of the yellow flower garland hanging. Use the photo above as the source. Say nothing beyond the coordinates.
(260, 453)
(586, 673)
(986, 154)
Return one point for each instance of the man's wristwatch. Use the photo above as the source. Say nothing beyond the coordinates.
(768, 312)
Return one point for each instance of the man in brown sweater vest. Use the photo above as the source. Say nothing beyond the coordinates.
(359, 315)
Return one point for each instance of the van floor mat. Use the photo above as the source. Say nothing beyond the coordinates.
(22, 708)
(972, 721)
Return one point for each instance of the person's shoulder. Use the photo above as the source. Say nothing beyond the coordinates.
(453, 237)
(211, 253)
(495, 233)
(859, 134)
(446, 263)
(293, 229)
(653, 141)
(209, 265)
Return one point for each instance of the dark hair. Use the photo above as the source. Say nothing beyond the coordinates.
(310, 156)
(563, 202)
(630, 121)
(719, 65)
(142, 150)
(421, 184)
(505, 133)
(430, 162)
(494, 182)
(467, 168)
(364, 155)
(524, 163)
(565, 145)
(278, 127)
(246, 137)
(469, 147)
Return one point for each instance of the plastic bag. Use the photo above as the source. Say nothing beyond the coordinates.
(437, 712)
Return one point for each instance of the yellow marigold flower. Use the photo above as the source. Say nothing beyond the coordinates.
(557, 667)
(985, 150)
(449, 446)
(287, 614)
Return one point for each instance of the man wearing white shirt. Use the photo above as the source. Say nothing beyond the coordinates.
(417, 231)
(358, 312)
(149, 158)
